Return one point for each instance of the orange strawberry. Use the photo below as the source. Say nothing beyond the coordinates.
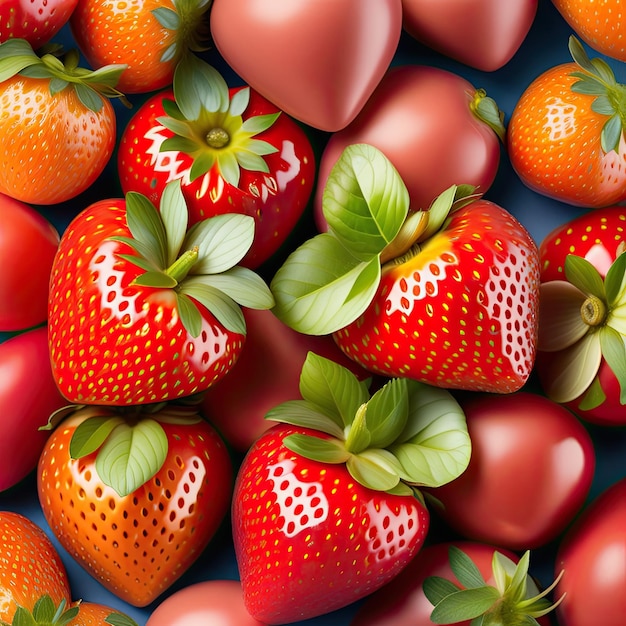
(149, 36)
(599, 24)
(30, 566)
(565, 136)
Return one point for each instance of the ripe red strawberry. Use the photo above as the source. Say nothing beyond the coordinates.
(326, 514)
(135, 497)
(581, 360)
(143, 311)
(30, 566)
(150, 37)
(232, 150)
(599, 24)
(58, 127)
(447, 296)
(565, 136)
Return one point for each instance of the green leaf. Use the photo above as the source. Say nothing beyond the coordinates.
(239, 101)
(582, 274)
(119, 619)
(387, 413)
(132, 455)
(322, 287)
(365, 202)
(594, 396)
(91, 434)
(464, 604)
(613, 346)
(358, 437)
(615, 282)
(174, 215)
(225, 310)
(259, 123)
(611, 133)
(241, 284)
(166, 17)
(316, 448)
(465, 569)
(44, 609)
(436, 588)
(157, 280)
(602, 105)
(251, 161)
(16, 54)
(222, 241)
(305, 414)
(374, 469)
(89, 97)
(435, 446)
(146, 226)
(332, 388)
(198, 85)
(23, 617)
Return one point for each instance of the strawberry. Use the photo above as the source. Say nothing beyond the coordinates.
(150, 37)
(57, 128)
(232, 150)
(565, 136)
(446, 296)
(134, 497)
(325, 508)
(581, 356)
(599, 24)
(30, 566)
(141, 311)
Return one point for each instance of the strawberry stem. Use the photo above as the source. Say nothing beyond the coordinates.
(183, 264)
(593, 311)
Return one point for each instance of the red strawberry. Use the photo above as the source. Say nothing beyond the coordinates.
(447, 296)
(142, 311)
(135, 497)
(327, 513)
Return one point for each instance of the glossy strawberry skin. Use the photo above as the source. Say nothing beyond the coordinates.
(113, 343)
(462, 313)
(30, 566)
(51, 152)
(554, 143)
(140, 544)
(308, 538)
(276, 199)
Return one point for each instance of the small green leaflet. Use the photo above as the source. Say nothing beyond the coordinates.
(330, 280)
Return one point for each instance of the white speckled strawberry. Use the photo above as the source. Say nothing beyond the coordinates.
(447, 296)
(142, 310)
(325, 509)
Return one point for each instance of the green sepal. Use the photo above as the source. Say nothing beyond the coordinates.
(594, 396)
(582, 274)
(613, 346)
(323, 450)
(91, 434)
(44, 613)
(487, 110)
(615, 282)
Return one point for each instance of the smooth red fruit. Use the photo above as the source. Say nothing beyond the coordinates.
(266, 374)
(25, 277)
(484, 34)
(37, 21)
(592, 556)
(30, 566)
(137, 545)
(204, 603)
(309, 539)
(318, 62)
(28, 396)
(460, 311)
(421, 118)
(529, 474)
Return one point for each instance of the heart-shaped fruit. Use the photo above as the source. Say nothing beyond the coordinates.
(317, 61)
(484, 34)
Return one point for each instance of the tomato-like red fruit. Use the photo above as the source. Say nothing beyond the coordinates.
(37, 21)
(28, 396)
(203, 604)
(530, 471)
(420, 118)
(592, 556)
(28, 243)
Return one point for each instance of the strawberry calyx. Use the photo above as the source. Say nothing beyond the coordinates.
(596, 78)
(583, 319)
(486, 109)
(330, 279)
(404, 436)
(91, 86)
(45, 613)
(514, 599)
(186, 20)
(209, 126)
(198, 265)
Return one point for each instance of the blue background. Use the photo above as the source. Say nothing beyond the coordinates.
(546, 45)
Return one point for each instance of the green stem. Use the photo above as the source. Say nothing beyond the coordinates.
(179, 269)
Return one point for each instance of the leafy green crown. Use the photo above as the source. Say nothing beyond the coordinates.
(406, 435)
